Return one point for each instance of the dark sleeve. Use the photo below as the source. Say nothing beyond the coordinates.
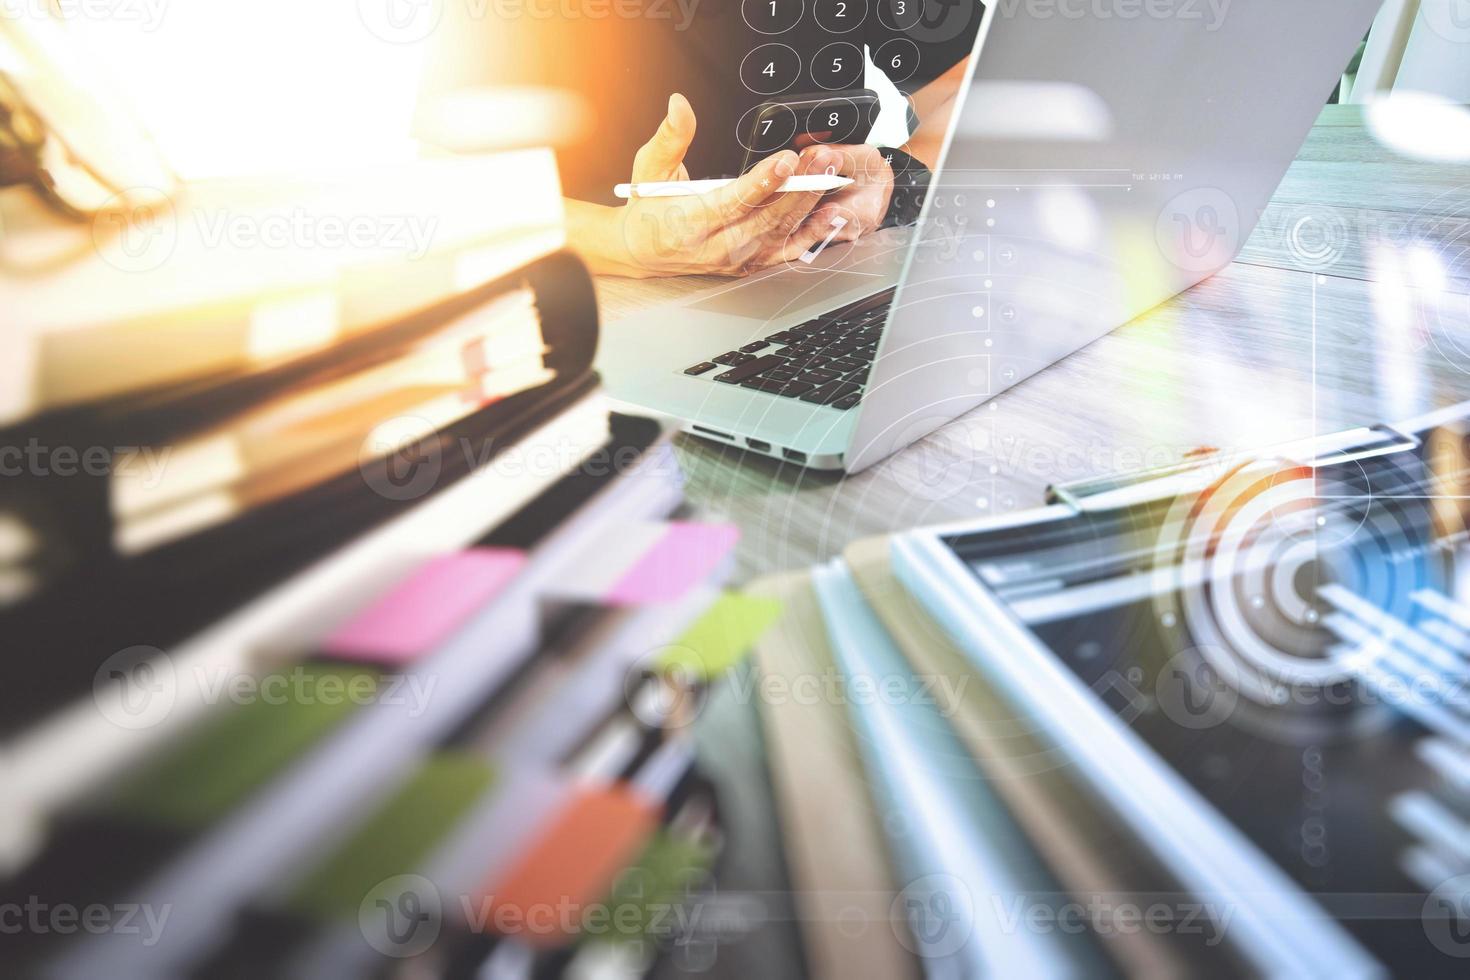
(913, 42)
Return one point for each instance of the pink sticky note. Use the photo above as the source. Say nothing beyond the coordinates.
(423, 610)
(684, 557)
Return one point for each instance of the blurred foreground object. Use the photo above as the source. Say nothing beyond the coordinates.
(63, 130)
(241, 274)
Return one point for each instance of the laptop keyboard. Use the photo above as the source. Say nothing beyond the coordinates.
(824, 361)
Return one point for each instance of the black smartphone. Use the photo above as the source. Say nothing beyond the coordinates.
(795, 121)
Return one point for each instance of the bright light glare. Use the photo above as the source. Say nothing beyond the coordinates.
(1427, 270)
(1392, 301)
(1422, 126)
(233, 87)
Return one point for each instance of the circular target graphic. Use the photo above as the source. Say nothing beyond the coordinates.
(1274, 570)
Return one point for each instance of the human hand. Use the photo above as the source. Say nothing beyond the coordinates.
(738, 229)
(863, 203)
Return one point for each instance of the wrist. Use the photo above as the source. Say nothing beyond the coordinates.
(596, 233)
(911, 181)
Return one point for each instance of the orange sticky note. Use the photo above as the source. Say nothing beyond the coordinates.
(573, 865)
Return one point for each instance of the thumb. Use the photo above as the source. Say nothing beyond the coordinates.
(661, 157)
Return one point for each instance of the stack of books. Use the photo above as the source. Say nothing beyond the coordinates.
(375, 642)
(1206, 720)
(212, 394)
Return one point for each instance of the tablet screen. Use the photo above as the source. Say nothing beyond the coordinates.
(1292, 641)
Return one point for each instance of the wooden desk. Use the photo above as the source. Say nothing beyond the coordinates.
(1354, 233)
(1349, 305)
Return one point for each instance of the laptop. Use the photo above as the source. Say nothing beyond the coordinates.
(1094, 168)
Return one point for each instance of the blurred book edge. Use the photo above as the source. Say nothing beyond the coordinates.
(247, 275)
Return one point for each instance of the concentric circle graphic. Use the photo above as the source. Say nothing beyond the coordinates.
(1316, 242)
(1255, 571)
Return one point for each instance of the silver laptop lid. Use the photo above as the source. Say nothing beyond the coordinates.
(1108, 154)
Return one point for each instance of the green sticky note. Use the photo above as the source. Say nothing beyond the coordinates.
(220, 762)
(396, 838)
(722, 636)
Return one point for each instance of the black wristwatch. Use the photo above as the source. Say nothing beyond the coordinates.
(910, 183)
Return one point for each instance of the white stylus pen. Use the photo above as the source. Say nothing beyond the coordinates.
(689, 188)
